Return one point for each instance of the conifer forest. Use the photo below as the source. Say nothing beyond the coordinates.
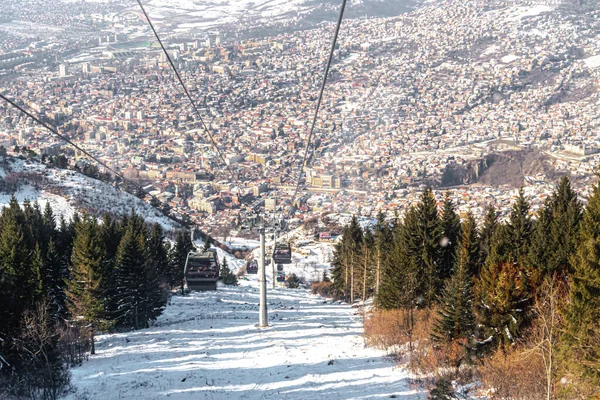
(61, 282)
(514, 303)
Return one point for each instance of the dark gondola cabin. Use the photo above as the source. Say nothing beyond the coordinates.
(202, 270)
(282, 254)
(252, 267)
(281, 277)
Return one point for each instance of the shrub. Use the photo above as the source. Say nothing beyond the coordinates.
(407, 334)
(293, 282)
(514, 374)
(40, 371)
(442, 390)
(386, 329)
(322, 288)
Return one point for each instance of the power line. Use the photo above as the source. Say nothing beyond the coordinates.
(187, 93)
(325, 74)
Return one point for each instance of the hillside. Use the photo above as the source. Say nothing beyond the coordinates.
(206, 345)
(190, 15)
(67, 191)
(506, 168)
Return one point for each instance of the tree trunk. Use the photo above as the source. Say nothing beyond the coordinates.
(351, 279)
(93, 344)
(377, 272)
(364, 291)
(346, 279)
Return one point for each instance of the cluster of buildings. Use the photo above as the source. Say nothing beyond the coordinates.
(406, 97)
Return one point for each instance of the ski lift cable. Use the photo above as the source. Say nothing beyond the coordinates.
(69, 141)
(321, 91)
(187, 93)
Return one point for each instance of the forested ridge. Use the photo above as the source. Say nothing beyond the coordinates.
(61, 281)
(512, 303)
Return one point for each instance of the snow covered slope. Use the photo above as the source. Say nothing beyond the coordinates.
(190, 15)
(67, 191)
(206, 345)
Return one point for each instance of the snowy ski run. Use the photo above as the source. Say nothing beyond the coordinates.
(207, 346)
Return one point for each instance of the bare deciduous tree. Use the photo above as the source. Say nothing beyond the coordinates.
(544, 334)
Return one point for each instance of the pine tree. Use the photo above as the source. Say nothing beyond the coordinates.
(450, 230)
(110, 234)
(421, 236)
(132, 307)
(519, 225)
(226, 275)
(338, 270)
(555, 234)
(139, 297)
(64, 244)
(501, 303)
(382, 236)
(564, 229)
(36, 268)
(157, 264)
(490, 223)
(33, 223)
(86, 302)
(540, 251)
(346, 259)
(366, 262)
(178, 256)
(159, 253)
(53, 277)
(48, 226)
(398, 288)
(17, 279)
(355, 240)
(470, 244)
(501, 245)
(582, 334)
(456, 319)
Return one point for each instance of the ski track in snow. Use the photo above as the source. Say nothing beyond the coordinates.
(207, 345)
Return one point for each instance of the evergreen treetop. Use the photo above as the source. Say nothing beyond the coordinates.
(450, 229)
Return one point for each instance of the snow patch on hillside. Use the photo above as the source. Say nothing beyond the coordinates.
(523, 12)
(209, 14)
(67, 191)
(592, 62)
(509, 58)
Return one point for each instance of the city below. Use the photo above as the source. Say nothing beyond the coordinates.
(479, 98)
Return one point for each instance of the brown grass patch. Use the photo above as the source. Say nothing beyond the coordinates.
(514, 374)
(324, 289)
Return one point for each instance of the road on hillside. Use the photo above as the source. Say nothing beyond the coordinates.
(207, 346)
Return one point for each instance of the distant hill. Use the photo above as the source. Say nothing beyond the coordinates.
(508, 168)
(185, 15)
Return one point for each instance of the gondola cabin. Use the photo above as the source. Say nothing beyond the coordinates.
(252, 267)
(282, 254)
(201, 270)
